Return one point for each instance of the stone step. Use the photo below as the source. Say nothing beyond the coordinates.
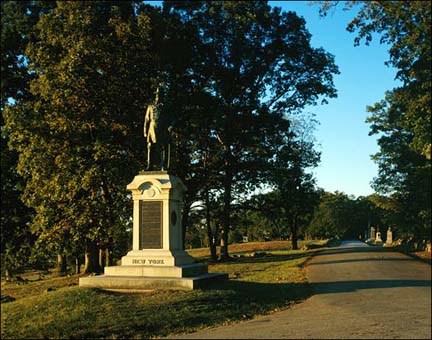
(158, 271)
(125, 283)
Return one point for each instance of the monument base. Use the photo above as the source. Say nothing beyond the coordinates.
(158, 271)
(143, 277)
(190, 276)
(128, 283)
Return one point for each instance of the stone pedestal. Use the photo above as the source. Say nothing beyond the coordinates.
(157, 259)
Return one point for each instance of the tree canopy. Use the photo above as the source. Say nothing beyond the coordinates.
(78, 76)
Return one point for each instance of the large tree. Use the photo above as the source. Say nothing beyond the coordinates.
(257, 64)
(77, 136)
(18, 19)
(289, 172)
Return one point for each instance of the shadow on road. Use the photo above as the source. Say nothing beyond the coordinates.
(351, 286)
(353, 250)
(346, 250)
(367, 259)
(270, 291)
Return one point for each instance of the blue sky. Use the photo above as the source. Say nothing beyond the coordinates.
(343, 134)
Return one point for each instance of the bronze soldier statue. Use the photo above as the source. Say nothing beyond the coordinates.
(158, 137)
(150, 126)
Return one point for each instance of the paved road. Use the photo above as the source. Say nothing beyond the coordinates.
(359, 293)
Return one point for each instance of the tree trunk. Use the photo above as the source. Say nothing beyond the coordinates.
(101, 258)
(8, 269)
(226, 217)
(294, 244)
(185, 221)
(61, 264)
(77, 265)
(112, 221)
(91, 264)
(213, 243)
(212, 236)
(107, 257)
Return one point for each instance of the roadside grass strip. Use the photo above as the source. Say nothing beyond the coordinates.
(259, 284)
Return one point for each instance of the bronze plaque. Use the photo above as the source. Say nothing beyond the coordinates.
(150, 224)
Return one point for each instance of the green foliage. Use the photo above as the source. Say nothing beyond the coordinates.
(76, 135)
(332, 217)
(16, 237)
(263, 223)
(17, 21)
(346, 217)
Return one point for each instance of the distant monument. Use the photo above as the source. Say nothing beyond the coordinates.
(378, 237)
(157, 259)
(389, 239)
(372, 234)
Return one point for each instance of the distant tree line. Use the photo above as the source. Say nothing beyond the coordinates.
(325, 215)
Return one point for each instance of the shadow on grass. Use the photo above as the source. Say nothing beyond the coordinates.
(219, 302)
(264, 258)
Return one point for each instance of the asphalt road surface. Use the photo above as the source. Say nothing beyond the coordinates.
(358, 293)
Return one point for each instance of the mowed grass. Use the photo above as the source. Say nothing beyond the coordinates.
(258, 285)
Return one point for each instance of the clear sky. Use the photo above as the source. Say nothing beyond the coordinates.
(343, 134)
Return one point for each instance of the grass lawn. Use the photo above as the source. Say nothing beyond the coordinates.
(264, 277)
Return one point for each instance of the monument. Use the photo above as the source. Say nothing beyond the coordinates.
(378, 237)
(372, 233)
(157, 259)
(389, 239)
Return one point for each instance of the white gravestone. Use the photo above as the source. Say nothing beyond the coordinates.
(389, 239)
(378, 237)
(372, 233)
